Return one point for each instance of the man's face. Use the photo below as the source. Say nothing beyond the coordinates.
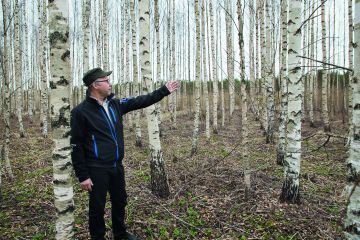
(103, 86)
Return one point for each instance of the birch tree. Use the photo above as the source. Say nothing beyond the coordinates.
(352, 220)
(230, 55)
(18, 64)
(324, 94)
(283, 85)
(60, 122)
(173, 61)
(290, 189)
(205, 70)
(268, 77)
(312, 74)
(6, 86)
(42, 6)
(197, 82)
(159, 181)
(135, 73)
(351, 65)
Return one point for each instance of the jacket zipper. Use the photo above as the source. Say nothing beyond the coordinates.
(95, 146)
(113, 133)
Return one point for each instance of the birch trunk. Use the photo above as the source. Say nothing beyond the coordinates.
(6, 86)
(18, 64)
(104, 31)
(135, 73)
(290, 190)
(351, 66)
(85, 25)
(205, 71)
(268, 78)
(311, 74)
(240, 13)
(214, 76)
(188, 98)
(283, 85)
(324, 94)
(230, 55)
(250, 97)
(173, 64)
(44, 88)
(223, 113)
(352, 220)
(158, 58)
(159, 181)
(262, 79)
(60, 122)
(197, 82)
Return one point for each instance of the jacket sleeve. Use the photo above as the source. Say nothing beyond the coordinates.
(131, 104)
(77, 141)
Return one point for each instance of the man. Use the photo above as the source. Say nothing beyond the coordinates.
(97, 142)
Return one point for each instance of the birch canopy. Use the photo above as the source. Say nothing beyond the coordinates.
(260, 142)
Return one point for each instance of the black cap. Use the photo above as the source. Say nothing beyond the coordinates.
(93, 74)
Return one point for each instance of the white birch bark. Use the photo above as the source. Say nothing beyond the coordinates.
(290, 190)
(324, 92)
(241, 52)
(104, 31)
(197, 82)
(230, 55)
(214, 76)
(220, 56)
(86, 32)
(351, 66)
(188, 99)
(158, 57)
(159, 181)
(352, 220)
(6, 86)
(268, 78)
(312, 73)
(60, 122)
(128, 58)
(250, 97)
(205, 70)
(283, 85)
(30, 56)
(173, 63)
(18, 64)
(262, 79)
(42, 59)
(135, 73)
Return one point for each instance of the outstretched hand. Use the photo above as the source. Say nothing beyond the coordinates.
(172, 85)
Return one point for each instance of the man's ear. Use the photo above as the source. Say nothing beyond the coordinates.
(93, 85)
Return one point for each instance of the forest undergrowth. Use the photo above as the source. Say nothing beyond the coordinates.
(207, 198)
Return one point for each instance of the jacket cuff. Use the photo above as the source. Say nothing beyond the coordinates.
(83, 178)
(164, 90)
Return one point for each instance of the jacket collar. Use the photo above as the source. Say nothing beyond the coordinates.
(93, 100)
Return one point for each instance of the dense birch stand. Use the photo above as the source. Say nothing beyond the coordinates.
(352, 221)
(60, 122)
(290, 190)
(159, 181)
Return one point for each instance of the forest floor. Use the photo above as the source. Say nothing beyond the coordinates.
(207, 191)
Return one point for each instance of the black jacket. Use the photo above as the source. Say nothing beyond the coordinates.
(98, 141)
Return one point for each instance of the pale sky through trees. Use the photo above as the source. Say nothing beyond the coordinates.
(181, 8)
